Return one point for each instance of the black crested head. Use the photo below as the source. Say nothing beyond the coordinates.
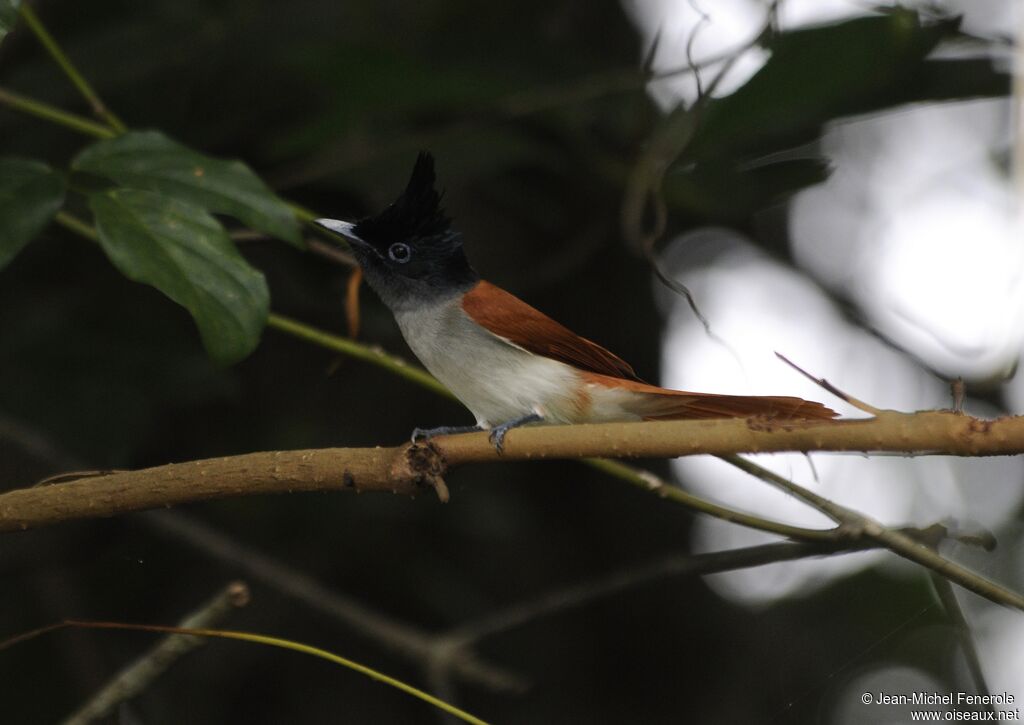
(417, 213)
(409, 251)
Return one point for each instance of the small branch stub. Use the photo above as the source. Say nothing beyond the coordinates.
(425, 465)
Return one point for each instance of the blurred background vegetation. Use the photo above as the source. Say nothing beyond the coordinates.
(539, 116)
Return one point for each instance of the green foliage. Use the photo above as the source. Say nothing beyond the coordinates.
(729, 191)
(8, 16)
(151, 161)
(182, 250)
(819, 74)
(538, 115)
(155, 225)
(30, 194)
(814, 76)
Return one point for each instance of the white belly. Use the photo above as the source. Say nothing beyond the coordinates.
(496, 380)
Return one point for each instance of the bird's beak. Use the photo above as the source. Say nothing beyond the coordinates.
(340, 227)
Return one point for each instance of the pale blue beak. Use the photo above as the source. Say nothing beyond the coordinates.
(339, 227)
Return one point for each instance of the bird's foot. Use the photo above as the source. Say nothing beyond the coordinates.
(497, 436)
(424, 434)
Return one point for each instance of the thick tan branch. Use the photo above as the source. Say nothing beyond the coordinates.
(411, 470)
(928, 432)
(399, 470)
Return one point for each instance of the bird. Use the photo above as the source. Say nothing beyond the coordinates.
(507, 362)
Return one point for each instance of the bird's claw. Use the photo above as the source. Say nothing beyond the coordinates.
(497, 438)
(498, 432)
(424, 434)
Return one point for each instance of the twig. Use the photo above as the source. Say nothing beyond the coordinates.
(959, 392)
(53, 114)
(374, 355)
(328, 251)
(845, 397)
(1017, 110)
(560, 600)
(331, 252)
(631, 577)
(76, 225)
(76, 78)
(650, 482)
(352, 316)
(644, 189)
(399, 637)
(268, 641)
(947, 596)
(139, 675)
(896, 541)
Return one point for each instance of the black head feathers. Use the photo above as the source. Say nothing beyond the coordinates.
(415, 216)
(409, 252)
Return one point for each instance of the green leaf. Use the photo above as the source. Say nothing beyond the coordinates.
(184, 252)
(30, 194)
(818, 74)
(149, 160)
(8, 16)
(728, 193)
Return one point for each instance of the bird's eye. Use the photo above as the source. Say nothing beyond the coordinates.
(400, 252)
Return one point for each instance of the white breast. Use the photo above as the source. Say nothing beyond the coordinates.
(495, 379)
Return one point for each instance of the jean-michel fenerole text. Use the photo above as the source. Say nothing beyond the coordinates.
(939, 698)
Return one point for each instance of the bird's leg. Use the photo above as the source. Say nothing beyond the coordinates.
(497, 436)
(423, 434)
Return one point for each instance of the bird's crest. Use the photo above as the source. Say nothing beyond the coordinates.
(415, 216)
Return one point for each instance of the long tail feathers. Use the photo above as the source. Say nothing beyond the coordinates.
(653, 403)
(674, 404)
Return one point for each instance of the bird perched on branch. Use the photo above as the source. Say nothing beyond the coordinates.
(509, 363)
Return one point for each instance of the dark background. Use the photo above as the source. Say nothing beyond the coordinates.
(536, 114)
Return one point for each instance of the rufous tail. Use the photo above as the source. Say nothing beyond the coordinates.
(674, 404)
(653, 403)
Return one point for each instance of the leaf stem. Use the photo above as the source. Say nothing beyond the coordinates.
(360, 351)
(76, 225)
(53, 114)
(665, 489)
(76, 78)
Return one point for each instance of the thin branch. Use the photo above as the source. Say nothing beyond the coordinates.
(53, 114)
(332, 252)
(575, 595)
(76, 225)
(76, 78)
(660, 487)
(644, 190)
(1017, 115)
(826, 385)
(677, 565)
(138, 676)
(261, 639)
(399, 637)
(954, 611)
(374, 355)
(896, 541)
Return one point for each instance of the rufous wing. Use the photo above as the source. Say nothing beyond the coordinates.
(509, 317)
